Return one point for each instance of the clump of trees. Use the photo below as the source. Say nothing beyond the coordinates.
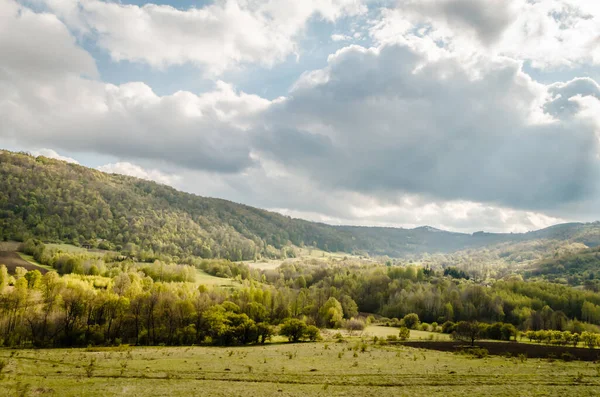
(81, 310)
(296, 330)
(563, 338)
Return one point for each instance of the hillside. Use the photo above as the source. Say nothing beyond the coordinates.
(61, 202)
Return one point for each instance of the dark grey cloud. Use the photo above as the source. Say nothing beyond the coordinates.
(487, 19)
(437, 131)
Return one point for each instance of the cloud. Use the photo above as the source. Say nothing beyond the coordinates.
(340, 37)
(45, 99)
(550, 34)
(38, 46)
(387, 120)
(487, 20)
(53, 155)
(408, 132)
(271, 186)
(126, 168)
(217, 37)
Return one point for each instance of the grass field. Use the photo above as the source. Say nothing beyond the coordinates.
(203, 278)
(302, 254)
(311, 369)
(383, 332)
(32, 261)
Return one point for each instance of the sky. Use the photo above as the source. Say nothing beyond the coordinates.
(464, 115)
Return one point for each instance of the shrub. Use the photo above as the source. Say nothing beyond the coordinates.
(448, 327)
(312, 333)
(566, 356)
(354, 325)
(404, 333)
(411, 321)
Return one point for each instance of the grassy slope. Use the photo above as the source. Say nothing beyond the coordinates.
(316, 369)
(30, 259)
(203, 278)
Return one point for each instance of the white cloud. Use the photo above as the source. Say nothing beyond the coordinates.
(218, 36)
(126, 168)
(38, 46)
(340, 37)
(465, 217)
(549, 33)
(44, 100)
(53, 155)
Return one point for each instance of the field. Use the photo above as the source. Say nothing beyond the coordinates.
(203, 278)
(301, 254)
(310, 369)
(12, 260)
(383, 332)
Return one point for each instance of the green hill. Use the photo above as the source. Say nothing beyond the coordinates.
(61, 202)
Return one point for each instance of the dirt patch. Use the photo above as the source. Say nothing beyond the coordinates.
(513, 349)
(12, 260)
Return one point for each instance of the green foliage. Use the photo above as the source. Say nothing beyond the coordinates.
(331, 313)
(411, 321)
(576, 268)
(59, 202)
(404, 333)
(293, 329)
(469, 331)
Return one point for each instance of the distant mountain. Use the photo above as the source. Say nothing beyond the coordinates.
(57, 201)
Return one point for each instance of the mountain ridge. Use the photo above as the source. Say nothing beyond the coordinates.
(57, 201)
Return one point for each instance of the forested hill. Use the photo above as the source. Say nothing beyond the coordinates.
(57, 201)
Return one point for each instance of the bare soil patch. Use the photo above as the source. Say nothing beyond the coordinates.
(513, 349)
(12, 260)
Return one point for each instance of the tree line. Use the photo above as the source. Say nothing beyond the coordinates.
(131, 305)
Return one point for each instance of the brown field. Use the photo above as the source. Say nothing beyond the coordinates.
(513, 349)
(12, 260)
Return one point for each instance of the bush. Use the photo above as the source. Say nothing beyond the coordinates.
(404, 333)
(566, 356)
(476, 352)
(411, 321)
(448, 327)
(312, 333)
(354, 325)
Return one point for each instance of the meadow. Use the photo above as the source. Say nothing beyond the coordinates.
(349, 368)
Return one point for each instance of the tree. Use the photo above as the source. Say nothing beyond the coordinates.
(354, 325)
(590, 339)
(404, 333)
(34, 278)
(293, 329)
(264, 332)
(468, 331)
(411, 321)
(349, 307)
(508, 332)
(3, 277)
(331, 313)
